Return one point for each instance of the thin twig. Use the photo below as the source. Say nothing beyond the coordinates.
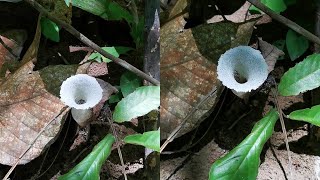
(236, 121)
(90, 43)
(176, 131)
(64, 109)
(204, 134)
(55, 157)
(77, 48)
(283, 126)
(294, 26)
(108, 113)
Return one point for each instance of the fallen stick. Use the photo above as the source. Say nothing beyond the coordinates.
(294, 26)
(90, 43)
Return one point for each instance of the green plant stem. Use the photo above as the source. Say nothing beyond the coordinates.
(294, 26)
(90, 43)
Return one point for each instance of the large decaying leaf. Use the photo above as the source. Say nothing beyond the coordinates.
(25, 108)
(89, 168)
(243, 161)
(310, 115)
(150, 139)
(302, 77)
(140, 102)
(188, 68)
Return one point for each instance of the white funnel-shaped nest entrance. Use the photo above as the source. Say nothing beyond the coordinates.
(242, 69)
(81, 91)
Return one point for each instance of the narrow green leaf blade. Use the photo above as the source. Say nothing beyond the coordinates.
(302, 77)
(140, 102)
(129, 82)
(243, 161)
(50, 29)
(310, 115)
(89, 167)
(150, 139)
(296, 44)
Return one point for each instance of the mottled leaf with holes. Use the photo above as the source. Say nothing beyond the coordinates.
(188, 68)
(25, 108)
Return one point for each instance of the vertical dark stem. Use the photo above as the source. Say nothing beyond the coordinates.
(315, 94)
(152, 67)
(317, 25)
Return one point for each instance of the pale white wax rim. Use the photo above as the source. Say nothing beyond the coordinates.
(248, 62)
(81, 87)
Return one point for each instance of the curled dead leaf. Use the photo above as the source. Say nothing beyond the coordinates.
(270, 52)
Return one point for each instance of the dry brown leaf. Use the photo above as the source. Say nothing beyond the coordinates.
(237, 17)
(25, 108)
(32, 51)
(108, 90)
(188, 69)
(98, 69)
(270, 53)
(13, 39)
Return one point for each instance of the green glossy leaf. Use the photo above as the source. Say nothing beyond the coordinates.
(150, 139)
(67, 2)
(243, 161)
(296, 44)
(277, 6)
(99, 58)
(112, 51)
(123, 49)
(280, 44)
(116, 12)
(104, 8)
(140, 102)
(50, 29)
(129, 82)
(96, 56)
(115, 98)
(310, 115)
(89, 167)
(137, 32)
(302, 77)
